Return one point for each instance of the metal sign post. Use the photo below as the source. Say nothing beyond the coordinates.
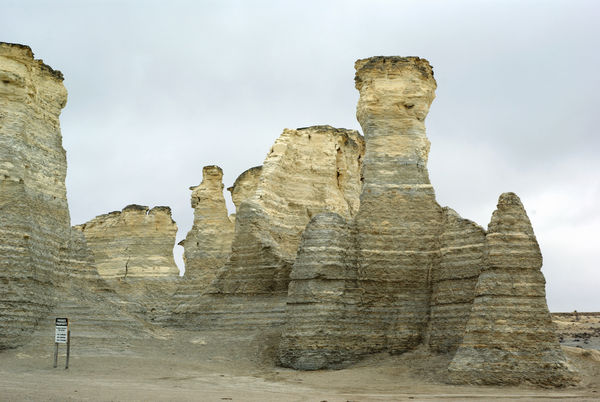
(62, 334)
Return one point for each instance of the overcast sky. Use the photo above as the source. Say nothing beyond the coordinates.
(159, 89)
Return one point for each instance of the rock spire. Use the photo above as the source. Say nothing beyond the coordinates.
(208, 244)
(509, 337)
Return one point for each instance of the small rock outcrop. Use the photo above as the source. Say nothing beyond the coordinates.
(136, 242)
(34, 215)
(462, 245)
(308, 171)
(208, 244)
(510, 337)
(320, 322)
(245, 185)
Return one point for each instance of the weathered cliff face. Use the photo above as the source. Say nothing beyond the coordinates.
(245, 185)
(453, 282)
(136, 242)
(34, 216)
(320, 321)
(399, 221)
(133, 252)
(208, 243)
(307, 171)
(510, 336)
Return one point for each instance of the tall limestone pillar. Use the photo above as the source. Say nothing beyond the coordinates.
(399, 221)
(208, 243)
(34, 216)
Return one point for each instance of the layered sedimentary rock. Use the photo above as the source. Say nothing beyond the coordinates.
(308, 171)
(34, 216)
(399, 221)
(394, 243)
(319, 324)
(245, 185)
(453, 282)
(208, 244)
(133, 252)
(510, 336)
(136, 242)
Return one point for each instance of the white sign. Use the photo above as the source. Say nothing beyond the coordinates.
(61, 330)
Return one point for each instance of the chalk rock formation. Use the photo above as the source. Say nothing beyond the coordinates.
(308, 171)
(399, 221)
(136, 242)
(320, 322)
(453, 282)
(34, 216)
(208, 243)
(394, 242)
(510, 336)
(245, 185)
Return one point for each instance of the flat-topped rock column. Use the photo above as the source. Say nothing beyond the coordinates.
(34, 215)
(399, 221)
(135, 243)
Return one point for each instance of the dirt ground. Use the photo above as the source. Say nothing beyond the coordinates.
(216, 366)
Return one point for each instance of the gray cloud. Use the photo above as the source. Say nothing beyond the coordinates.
(159, 89)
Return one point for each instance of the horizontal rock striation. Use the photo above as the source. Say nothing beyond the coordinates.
(509, 337)
(34, 215)
(208, 244)
(136, 242)
(308, 171)
(245, 185)
(319, 326)
(133, 252)
(394, 238)
(453, 282)
(399, 222)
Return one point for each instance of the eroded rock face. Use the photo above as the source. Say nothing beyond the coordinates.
(453, 282)
(208, 243)
(245, 185)
(308, 171)
(34, 215)
(399, 221)
(393, 241)
(136, 242)
(319, 330)
(510, 336)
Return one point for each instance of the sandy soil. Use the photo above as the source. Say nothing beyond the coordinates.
(213, 366)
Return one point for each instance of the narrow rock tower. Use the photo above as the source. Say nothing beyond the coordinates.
(510, 336)
(399, 221)
(363, 285)
(208, 244)
(34, 215)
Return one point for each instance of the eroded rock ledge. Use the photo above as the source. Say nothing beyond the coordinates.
(136, 242)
